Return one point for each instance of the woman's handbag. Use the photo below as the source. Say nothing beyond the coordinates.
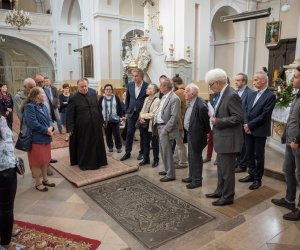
(24, 141)
(20, 167)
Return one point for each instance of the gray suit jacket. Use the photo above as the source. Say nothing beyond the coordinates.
(228, 130)
(170, 114)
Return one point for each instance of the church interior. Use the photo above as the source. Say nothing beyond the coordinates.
(103, 41)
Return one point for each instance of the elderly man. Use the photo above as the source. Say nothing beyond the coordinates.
(196, 123)
(243, 91)
(257, 126)
(84, 123)
(227, 133)
(166, 118)
(20, 97)
(291, 163)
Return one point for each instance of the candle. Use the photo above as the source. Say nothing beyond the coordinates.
(276, 72)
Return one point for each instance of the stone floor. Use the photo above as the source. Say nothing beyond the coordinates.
(68, 208)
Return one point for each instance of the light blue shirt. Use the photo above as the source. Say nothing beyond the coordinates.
(7, 153)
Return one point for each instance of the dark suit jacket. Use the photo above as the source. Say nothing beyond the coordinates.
(55, 100)
(258, 117)
(245, 96)
(228, 132)
(199, 125)
(50, 104)
(135, 104)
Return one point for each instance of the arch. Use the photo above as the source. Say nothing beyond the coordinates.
(131, 29)
(68, 6)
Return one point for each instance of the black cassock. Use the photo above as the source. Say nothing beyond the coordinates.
(84, 121)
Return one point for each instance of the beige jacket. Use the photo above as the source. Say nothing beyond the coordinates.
(150, 115)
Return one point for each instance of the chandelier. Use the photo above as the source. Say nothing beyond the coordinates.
(17, 18)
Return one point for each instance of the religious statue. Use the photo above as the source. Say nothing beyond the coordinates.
(143, 58)
(128, 60)
(148, 1)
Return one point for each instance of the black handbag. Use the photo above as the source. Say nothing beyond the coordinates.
(144, 125)
(20, 166)
(24, 142)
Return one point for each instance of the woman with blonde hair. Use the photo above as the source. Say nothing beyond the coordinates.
(37, 119)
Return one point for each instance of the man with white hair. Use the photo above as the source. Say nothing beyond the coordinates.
(227, 123)
(196, 123)
(257, 127)
(20, 97)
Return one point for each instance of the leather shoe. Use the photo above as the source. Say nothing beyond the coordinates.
(166, 179)
(144, 162)
(213, 195)
(155, 164)
(192, 185)
(53, 161)
(294, 215)
(222, 202)
(140, 157)
(162, 173)
(283, 203)
(206, 160)
(248, 178)
(125, 157)
(187, 180)
(255, 185)
(240, 170)
(48, 184)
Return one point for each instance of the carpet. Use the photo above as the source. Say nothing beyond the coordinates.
(81, 178)
(34, 236)
(149, 213)
(58, 140)
(247, 201)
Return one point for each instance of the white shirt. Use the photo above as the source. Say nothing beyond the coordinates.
(241, 91)
(221, 94)
(159, 110)
(259, 93)
(137, 89)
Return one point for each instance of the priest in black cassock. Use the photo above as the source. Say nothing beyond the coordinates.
(84, 123)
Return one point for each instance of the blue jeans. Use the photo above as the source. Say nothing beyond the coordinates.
(290, 164)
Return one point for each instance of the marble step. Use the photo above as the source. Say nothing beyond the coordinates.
(258, 232)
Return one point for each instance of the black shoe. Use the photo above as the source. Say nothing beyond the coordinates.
(140, 157)
(222, 202)
(294, 215)
(155, 164)
(162, 173)
(48, 184)
(187, 180)
(166, 179)
(240, 170)
(144, 162)
(213, 195)
(255, 185)
(192, 186)
(53, 161)
(283, 203)
(125, 157)
(246, 179)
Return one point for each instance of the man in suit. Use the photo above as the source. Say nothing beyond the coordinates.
(257, 126)
(227, 123)
(196, 123)
(165, 119)
(53, 95)
(135, 97)
(243, 91)
(291, 164)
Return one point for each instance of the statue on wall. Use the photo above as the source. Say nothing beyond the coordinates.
(143, 58)
(128, 60)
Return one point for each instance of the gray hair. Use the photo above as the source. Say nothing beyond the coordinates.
(167, 83)
(28, 81)
(245, 77)
(216, 75)
(155, 88)
(264, 75)
(193, 88)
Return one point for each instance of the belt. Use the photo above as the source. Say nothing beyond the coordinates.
(160, 124)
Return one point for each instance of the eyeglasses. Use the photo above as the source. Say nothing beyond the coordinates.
(211, 84)
(108, 89)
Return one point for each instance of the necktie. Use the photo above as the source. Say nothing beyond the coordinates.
(215, 99)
